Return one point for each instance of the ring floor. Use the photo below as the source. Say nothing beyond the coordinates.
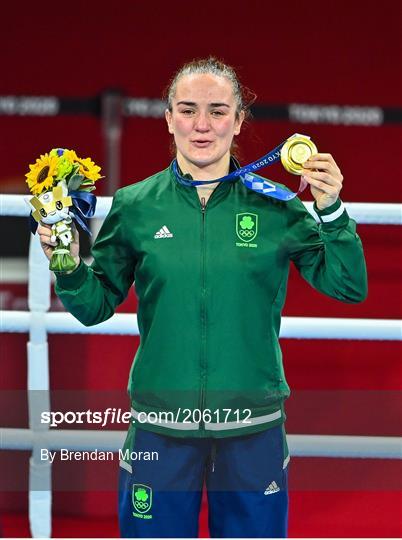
(312, 514)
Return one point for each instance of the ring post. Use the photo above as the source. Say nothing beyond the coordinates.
(40, 494)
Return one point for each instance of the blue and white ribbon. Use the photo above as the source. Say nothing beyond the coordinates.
(84, 205)
(250, 180)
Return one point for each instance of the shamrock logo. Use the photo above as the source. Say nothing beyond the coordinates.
(142, 498)
(247, 222)
(246, 226)
(141, 495)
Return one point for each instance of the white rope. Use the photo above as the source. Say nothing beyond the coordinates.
(345, 446)
(340, 328)
(300, 445)
(291, 327)
(367, 213)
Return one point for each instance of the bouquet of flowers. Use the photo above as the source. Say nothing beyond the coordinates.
(61, 183)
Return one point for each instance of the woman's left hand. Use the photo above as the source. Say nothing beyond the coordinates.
(324, 177)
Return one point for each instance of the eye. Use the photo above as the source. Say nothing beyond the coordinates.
(59, 205)
(43, 212)
(187, 112)
(217, 113)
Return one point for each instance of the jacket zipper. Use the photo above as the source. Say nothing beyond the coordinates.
(203, 316)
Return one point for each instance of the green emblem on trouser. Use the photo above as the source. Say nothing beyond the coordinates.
(246, 226)
(142, 498)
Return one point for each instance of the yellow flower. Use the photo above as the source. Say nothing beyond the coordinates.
(70, 155)
(40, 176)
(87, 167)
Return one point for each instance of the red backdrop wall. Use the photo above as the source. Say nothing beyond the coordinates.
(344, 53)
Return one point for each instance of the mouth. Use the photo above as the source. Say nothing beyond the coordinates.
(200, 143)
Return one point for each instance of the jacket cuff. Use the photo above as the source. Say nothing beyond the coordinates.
(333, 215)
(74, 280)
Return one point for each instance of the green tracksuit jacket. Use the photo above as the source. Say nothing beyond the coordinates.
(211, 284)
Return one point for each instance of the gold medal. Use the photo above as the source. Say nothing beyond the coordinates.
(296, 150)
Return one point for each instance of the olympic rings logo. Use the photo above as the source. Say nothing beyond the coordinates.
(246, 234)
(141, 505)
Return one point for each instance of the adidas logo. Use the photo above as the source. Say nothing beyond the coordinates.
(272, 488)
(163, 233)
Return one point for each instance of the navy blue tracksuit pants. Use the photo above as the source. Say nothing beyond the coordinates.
(245, 476)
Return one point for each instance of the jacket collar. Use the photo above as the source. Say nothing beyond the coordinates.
(190, 192)
(233, 165)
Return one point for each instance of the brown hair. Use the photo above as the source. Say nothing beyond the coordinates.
(213, 66)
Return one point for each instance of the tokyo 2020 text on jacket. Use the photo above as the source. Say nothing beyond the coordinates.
(211, 284)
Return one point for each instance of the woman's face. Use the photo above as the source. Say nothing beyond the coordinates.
(203, 119)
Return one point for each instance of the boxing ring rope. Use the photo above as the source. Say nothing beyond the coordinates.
(363, 213)
(125, 324)
(299, 445)
(38, 322)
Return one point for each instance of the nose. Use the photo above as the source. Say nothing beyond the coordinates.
(202, 122)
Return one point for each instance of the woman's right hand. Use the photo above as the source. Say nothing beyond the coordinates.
(45, 233)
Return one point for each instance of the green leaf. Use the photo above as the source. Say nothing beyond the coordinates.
(75, 182)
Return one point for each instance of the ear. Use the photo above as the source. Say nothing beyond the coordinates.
(239, 122)
(168, 117)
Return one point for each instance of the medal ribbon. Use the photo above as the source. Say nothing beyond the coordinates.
(250, 180)
(84, 204)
